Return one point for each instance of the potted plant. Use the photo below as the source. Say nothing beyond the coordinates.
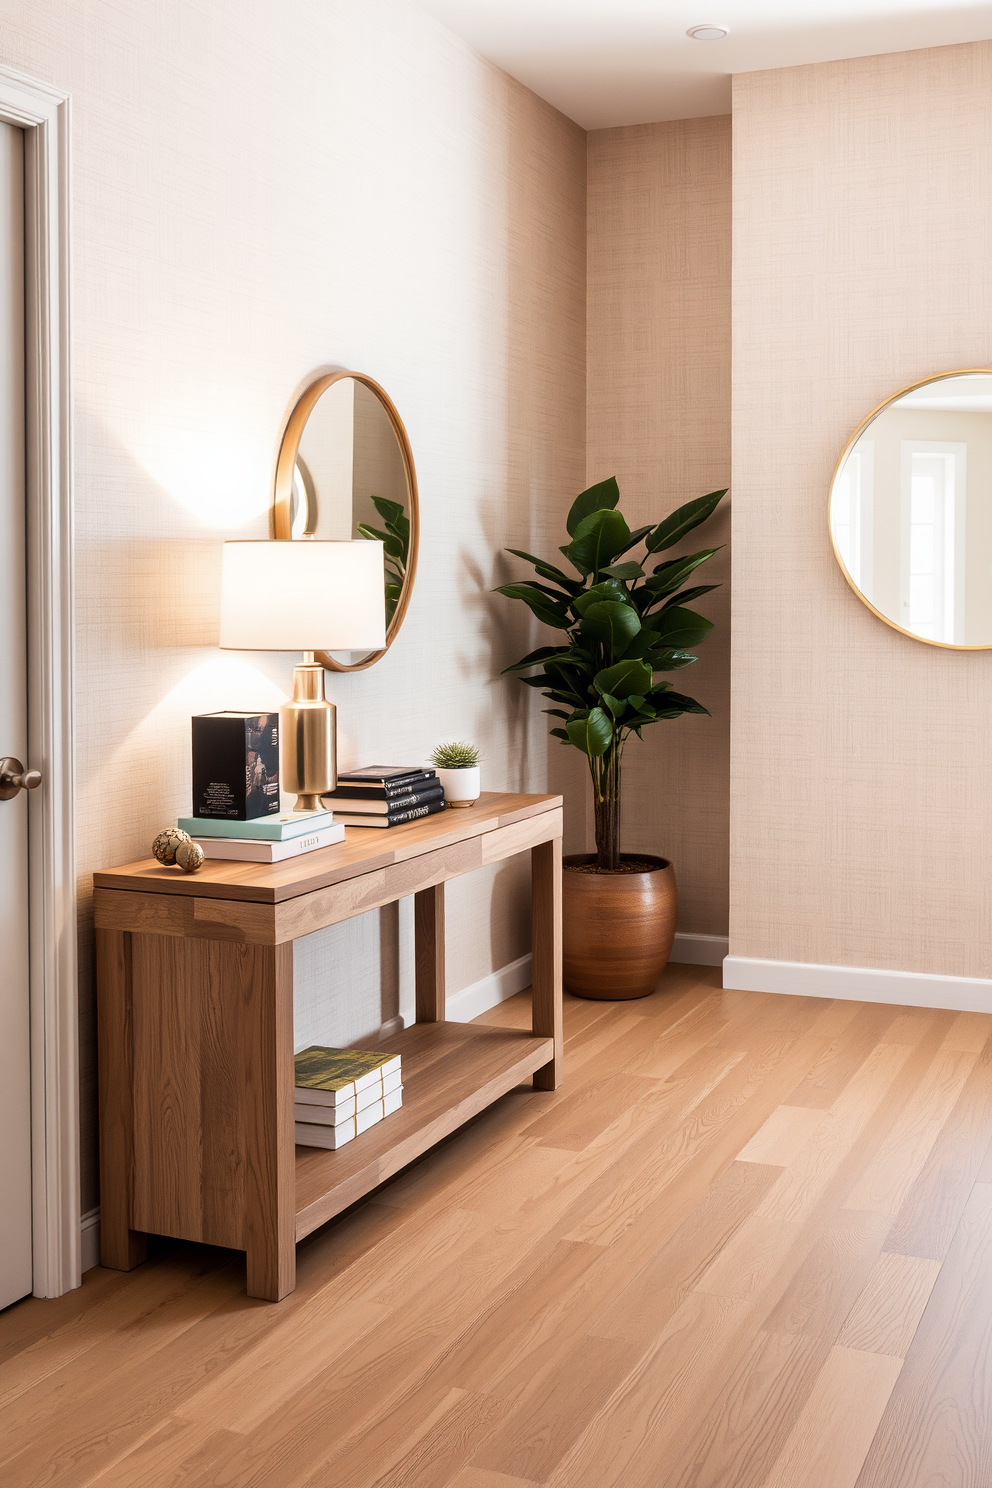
(458, 769)
(623, 620)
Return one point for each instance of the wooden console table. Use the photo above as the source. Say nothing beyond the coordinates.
(195, 1000)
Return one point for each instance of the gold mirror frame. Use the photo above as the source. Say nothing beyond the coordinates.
(849, 446)
(282, 501)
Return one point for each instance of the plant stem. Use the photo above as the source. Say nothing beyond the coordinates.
(606, 802)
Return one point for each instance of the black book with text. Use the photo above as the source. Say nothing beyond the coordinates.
(383, 805)
(392, 819)
(383, 774)
(353, 791)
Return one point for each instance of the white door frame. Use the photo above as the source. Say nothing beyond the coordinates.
(42, 112)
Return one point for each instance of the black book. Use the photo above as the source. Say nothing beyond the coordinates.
(383, 775)
(422, 787)
(338, 801)
(235, 765)
(392, 819)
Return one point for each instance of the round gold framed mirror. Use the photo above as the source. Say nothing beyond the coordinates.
(345, 471)
(910, 510)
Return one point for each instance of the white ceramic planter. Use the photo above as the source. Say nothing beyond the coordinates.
(461, 787)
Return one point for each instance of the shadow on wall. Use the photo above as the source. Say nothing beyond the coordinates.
(487, 365)
(545, 447)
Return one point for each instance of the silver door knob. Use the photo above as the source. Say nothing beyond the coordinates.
(14, 778)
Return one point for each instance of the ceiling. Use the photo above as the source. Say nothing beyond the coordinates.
(607, 62)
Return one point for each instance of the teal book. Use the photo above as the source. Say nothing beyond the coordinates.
(281, 828)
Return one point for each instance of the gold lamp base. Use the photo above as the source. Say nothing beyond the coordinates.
(308, 763)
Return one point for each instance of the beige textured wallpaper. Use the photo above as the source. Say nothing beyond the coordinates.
(861, 811)
(258, 192)
(658, 413)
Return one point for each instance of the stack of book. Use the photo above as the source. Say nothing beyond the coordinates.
(340, 1093)
(264, 839)
(385, 796)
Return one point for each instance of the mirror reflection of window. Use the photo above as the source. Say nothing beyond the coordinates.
(911, 510)
(934, 500)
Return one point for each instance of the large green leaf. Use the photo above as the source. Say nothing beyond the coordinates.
(669, 576)
(624, 679)
(533, 657)
(555, 595)
(628, 570)
(683, 520)
(673, 704)
(613, 624)
(568, 685)
(556, 616)
(393, 545)
(605, 496)
(671, 660)
(597, 541)
(679, 627)
(687, 595)
(643, 708)
(548, 571)
(638, 535)
(593, 734)
(389, 511)
(616, 706)
(607, 589)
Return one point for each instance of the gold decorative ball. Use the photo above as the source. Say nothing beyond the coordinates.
(189, 856)
(166, 844)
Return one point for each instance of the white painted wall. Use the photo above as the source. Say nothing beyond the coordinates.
(258, 192)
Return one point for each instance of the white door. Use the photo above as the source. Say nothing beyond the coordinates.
(15, 1089)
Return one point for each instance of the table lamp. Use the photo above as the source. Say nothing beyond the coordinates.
(308, 596)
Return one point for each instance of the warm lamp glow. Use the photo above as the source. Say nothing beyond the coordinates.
(302, 596)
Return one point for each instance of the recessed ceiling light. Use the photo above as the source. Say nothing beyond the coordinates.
(708, 31)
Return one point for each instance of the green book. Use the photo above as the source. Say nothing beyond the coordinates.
(326, 1076)
(280, 828)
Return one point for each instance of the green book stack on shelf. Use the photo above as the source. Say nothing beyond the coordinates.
(341, 1093)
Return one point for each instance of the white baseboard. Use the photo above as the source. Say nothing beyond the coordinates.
(467, 1004)
(700, 950)
(462, 1007)
(859, 984)
(89, 1240)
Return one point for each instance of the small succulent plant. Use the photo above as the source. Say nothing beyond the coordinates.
(456, 756)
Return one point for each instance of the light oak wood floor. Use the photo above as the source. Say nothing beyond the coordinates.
(747, 1245)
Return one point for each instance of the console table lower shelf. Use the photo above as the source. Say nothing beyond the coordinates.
(451, 1072)
(195, 1031)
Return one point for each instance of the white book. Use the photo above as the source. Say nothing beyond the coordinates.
(325, 1115)
(334, 1115)
(390, 1068)
(381, 1108)
(369, 1117)
(309, 1134)
(331, 1137)
(254, 850)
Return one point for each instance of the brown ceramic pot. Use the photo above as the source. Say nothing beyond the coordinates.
(618, 928)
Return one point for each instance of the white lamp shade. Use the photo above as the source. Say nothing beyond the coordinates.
(302, 596)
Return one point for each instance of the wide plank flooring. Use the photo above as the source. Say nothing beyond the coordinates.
(748, 1244)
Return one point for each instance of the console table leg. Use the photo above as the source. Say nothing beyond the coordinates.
(270, 1190)
(121, 1248)
(429, 953)
(546, 1017)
